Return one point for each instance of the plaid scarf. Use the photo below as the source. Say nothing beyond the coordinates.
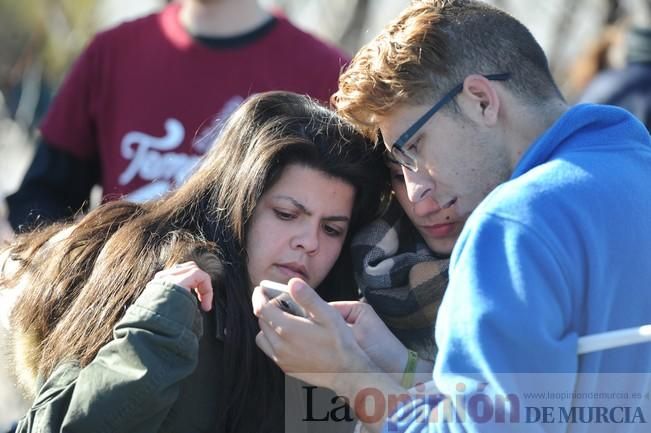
(401, 278)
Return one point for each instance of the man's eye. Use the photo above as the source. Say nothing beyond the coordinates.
(413, 146)
(286, 216)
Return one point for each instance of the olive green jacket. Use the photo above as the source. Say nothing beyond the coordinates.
(145, 380)
(160, 374)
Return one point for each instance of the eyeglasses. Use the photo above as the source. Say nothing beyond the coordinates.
(407, 158)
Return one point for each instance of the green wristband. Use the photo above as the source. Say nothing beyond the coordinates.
(408, 375)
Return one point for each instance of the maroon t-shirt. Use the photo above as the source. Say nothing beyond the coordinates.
(141, 93)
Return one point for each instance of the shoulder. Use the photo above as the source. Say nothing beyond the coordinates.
(548, 207)
(134, 25)
(547, 190)
(306, 44)
(125, 32)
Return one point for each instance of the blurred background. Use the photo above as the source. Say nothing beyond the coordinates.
(40, 38)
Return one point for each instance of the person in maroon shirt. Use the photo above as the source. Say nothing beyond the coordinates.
(131, 113)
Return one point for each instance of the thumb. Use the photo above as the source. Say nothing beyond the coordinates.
(315, 307)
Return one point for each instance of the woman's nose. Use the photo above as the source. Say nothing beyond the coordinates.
(307, 240)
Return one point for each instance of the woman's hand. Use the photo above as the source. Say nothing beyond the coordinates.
(324, 349)
(314, 349)
(189, 276)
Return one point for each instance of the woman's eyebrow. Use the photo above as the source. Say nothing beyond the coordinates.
(307, 212)
(299, 205)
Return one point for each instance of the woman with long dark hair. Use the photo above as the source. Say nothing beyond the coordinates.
(104, 314)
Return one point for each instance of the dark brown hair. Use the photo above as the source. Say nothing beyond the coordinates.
(79, 287)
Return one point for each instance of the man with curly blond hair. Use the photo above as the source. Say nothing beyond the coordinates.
(545, 209)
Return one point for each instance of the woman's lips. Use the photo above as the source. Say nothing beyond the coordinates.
(292, 271)
(441, 230)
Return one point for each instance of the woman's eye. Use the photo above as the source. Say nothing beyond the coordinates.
(332, 231)
(398, 177)
(286, 216)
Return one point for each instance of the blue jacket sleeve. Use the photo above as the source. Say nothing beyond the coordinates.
(504, 333)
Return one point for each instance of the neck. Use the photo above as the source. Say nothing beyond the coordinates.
(529, 123)
(221, 18)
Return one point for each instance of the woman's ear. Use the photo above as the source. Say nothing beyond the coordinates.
(482, 99)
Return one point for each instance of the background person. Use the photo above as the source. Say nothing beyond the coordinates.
(629, 87)
(129, 113)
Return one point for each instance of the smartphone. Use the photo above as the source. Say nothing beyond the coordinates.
(280, 292)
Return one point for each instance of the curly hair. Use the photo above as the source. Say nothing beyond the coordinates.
(431, 47)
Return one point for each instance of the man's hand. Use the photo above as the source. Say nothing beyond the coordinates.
(373, 336)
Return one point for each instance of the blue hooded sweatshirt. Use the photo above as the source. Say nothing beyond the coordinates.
(561, 250)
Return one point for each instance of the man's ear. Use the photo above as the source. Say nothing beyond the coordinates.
(483, 99)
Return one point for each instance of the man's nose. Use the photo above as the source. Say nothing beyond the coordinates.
(419, 185)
